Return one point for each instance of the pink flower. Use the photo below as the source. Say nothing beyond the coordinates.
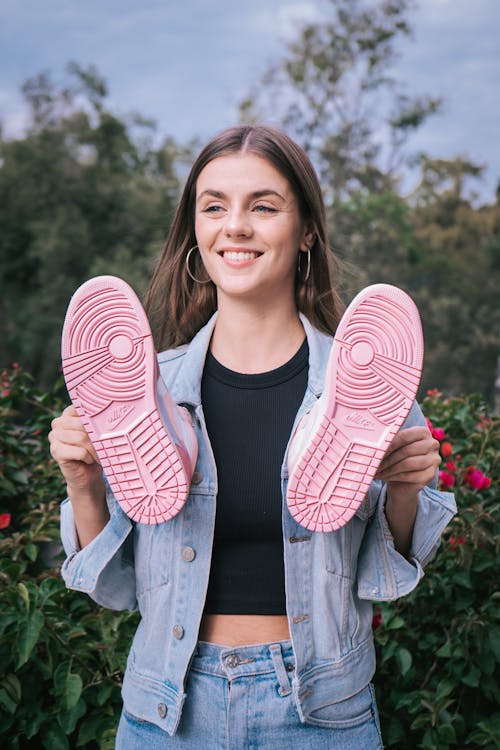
(446, 479)
(4, 520)
(15, 365)
(438, 433)
(476, 479)
(429, 424)
(446, 449)
(450, 466)
(5, 393)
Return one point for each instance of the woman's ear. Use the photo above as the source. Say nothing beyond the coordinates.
(308, 239)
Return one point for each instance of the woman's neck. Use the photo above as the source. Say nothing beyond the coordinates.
(251, 340)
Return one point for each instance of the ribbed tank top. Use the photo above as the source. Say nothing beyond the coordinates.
(249, 419)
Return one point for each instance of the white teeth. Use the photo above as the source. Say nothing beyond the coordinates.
(241, 257)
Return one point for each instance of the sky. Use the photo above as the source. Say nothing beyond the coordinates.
(187, 63)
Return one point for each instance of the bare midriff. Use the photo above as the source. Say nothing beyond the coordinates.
(243, 630)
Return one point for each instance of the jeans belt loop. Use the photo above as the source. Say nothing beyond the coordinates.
(279, 668)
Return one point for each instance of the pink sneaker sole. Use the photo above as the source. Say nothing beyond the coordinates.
(111, 372)
(372, 377)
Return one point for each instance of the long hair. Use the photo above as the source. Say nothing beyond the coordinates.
(178, 306)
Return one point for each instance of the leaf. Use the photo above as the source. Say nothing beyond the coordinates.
(10, 693)
(395, 623)
(72, 692)
(60, 677)
(68, 719)
(28, 636)
(444, 651)
(54, 738)
(472, 677)
(404, 660)
(31, 552)
(23, 592)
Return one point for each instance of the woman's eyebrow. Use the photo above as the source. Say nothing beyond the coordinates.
(256, 194)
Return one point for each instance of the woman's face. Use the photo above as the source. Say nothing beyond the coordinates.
(248, 227)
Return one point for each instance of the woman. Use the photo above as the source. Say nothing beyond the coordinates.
(256, 626)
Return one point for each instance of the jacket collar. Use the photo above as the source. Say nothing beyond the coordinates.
(186, 388)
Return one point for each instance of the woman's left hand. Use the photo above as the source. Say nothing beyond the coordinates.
(411, 460)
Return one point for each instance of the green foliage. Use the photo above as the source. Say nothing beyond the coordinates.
(82, 193)
(62, 656)
(439, 647)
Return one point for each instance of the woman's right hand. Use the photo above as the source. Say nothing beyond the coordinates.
(71, 447)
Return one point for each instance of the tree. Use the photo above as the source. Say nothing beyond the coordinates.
(82, 193)
(335, 92)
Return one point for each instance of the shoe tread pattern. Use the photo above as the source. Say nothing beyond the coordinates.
(110, 369)
(372, 378)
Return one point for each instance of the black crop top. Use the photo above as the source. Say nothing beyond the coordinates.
(249, 419)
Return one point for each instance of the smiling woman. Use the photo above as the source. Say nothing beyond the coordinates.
(297, 498)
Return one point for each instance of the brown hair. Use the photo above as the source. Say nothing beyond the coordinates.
(178, 306)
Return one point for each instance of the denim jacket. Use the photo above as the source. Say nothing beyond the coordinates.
(331, 579)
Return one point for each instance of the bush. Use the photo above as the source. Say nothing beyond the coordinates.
(438, 647)
(63, 656)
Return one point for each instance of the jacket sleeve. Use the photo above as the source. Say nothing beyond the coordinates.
(104, 569)
(384, 574)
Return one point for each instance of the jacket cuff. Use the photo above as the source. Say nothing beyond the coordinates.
(101, 569)
(383, 573)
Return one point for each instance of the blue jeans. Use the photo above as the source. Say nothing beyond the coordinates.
(240, 699)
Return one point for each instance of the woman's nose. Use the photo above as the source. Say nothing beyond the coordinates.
(237, 223)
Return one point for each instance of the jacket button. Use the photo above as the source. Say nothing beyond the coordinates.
(178, 632)
(188, 554)
(196, 478)
(162, 710)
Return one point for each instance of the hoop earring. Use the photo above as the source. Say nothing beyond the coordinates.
(188, 255)
(308, 269)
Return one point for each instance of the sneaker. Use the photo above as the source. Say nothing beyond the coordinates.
(371, 381)
(144, 441)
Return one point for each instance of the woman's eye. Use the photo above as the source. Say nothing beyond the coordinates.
(261, 208)
(212, 209)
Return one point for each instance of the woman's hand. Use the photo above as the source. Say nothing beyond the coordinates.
(71, 447)
(409, 464)
(411, 461)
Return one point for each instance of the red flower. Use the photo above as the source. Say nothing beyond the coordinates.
(446, 479)
(486, 483)
(450, 466)
(376, 620)
(446, 449)
(4, 520)
(429, 423)
(6, 393)
(15, 365)
(456, 541)
(434, 392)
(438, 433)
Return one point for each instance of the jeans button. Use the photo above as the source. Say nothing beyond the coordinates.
(232, 660)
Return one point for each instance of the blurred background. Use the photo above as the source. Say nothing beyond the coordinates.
(102, 106)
